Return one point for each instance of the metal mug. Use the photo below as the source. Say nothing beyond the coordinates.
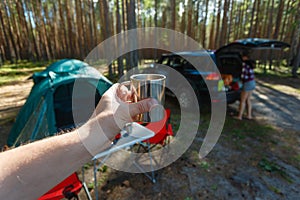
(150, 86)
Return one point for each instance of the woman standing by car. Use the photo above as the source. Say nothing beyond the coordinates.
(248, 86)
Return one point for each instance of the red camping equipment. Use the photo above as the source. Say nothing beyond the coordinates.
(162, 130)
(68, 188)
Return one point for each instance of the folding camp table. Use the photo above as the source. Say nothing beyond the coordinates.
(132, 133)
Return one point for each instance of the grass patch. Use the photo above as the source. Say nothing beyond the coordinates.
(242, 129)
(280, 79)
(205, 165)
(278, 71)
(11, 73)
(271, 166)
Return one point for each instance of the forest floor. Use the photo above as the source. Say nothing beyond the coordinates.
(253, 159)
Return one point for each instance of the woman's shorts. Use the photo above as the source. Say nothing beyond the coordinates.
(249, 85)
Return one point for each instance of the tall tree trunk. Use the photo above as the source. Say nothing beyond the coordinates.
(85, 17)
(105, 20)
(270, 13)
(79, 33)
(131, 24)
(16, 30)
(95, 31)
(212, 29)
(34, 40)
(2, 46)
(183, 22)
(240, 26)
(119, 42)
(105, 27)
(48, 33)
(257, 17)
(224, 24)
(230, 25)
(284, 22)
(93, 25)
(62, 28)
(295, 43)
(250, 34)
(57, 51)
(246, 17)
(278, 19)
(7, 48)
(190, 19)
(39, 22)
(217, 36)
(164, 19)
(173, 14)
(296, 61)
(10, 32)
(196, 26)
(24, 28)
(156, 13)
(139, 16)
(204, 25)
(69, 28)
(124, 14)
(43, 29)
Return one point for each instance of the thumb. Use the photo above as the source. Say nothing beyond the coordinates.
(141, 106)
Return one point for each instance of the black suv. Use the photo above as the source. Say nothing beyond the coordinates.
(229, 63)
(205, 77)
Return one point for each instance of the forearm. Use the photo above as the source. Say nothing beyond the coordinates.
(35, 168)
(29, 171)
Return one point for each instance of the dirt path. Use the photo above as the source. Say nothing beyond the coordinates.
(12, 98)
(277, 105)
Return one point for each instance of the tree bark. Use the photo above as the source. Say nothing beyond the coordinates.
(173, 14)
(190, 19)
(204, 25)
(296, 62)
(7, 50)
(270, 26)
(79, 33)
(119, 42)
(212, 29)
(105, 27)
(224, 30)
(10, 32)
(43, 32)
(69, 28)
(62, 31)
(156, 12)
(278, 19)
(217, 36)
(230, 25)
(131, 24)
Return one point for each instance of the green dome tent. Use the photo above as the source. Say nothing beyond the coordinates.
(50, 105)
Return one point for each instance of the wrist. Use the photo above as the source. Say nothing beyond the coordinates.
(94, 138)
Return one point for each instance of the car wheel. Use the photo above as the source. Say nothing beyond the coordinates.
(185, 98)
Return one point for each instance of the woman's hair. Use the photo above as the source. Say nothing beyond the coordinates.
(248, 61)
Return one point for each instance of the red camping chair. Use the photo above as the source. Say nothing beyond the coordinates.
(162, 130)
(68, 188)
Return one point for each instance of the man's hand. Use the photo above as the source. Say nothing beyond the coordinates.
(110, 116)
